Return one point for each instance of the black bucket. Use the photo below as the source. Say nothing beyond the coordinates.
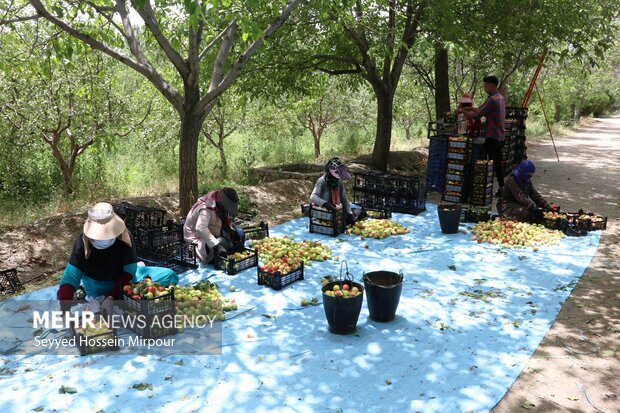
(449, 216)
(342, 313)
(383, 290)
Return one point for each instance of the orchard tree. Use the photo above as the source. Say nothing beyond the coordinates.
(190, 51)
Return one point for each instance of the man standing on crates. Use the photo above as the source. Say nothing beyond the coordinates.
(494, 111)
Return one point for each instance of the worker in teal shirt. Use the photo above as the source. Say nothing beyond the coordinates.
(103, 259)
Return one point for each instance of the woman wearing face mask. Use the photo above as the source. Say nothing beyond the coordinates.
(103, 258)
(520, 200)
(208, 225)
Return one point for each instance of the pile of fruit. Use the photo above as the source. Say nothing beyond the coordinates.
(99, 327)
(145, 289)
(377, 228)
(202, 299)
(286, 255)
(323, 222)
(512, 234)
(345, 292)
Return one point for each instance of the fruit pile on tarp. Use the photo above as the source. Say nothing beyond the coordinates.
(377, 228)
(285, 255)
(203, 299)
(512, 234)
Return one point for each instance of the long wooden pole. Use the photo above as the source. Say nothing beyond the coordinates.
(542, 105)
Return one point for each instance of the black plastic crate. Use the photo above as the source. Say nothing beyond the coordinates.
(453, 175)
(143, 217)
(452, 196)
(436, 164)
(256, 232)
(97, 343)
(478, 214)
(457, 142)
(276, 280)
(121, 208)
(151, 238)
(378, 213)
(457, 165)
(141, 314)
(9, 282)
(591, 222)
(244, 218)
(453, 154)
(179, 257)
(455, 186)
(482, 198)
(232, 267)
(326, 222)
(513, 112)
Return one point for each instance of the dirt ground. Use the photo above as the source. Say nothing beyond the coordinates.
(576, 367)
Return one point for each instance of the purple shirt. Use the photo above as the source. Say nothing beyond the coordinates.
(494, 110)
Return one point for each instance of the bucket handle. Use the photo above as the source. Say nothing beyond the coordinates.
(347, 276)
(400, 272)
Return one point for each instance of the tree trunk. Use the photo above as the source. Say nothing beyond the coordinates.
(383, 137)
(558, 113)
(408, 131)
(223, 161)
(576, 112)
(188, 160)
(317, 144)
(442, 82)
(66, 170)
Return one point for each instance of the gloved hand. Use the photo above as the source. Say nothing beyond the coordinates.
(329, 206)
(349, 219)
(547, 208)
(537, 212)
(221, 250)
(107, 308)
(555, 208)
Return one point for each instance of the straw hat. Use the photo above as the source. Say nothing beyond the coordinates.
(103, 223)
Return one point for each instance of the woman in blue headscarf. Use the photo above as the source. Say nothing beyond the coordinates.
(520, 200)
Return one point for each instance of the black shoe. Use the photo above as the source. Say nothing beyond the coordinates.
(499, 192)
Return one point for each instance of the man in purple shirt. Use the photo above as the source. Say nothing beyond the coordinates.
(494, 110)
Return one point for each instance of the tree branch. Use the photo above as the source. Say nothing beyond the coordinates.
(169, 92)
(409, 35)
(215, 40)
(245, 57)
(147, 15)
(19, 19)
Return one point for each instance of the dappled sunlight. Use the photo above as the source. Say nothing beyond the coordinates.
(469, 317)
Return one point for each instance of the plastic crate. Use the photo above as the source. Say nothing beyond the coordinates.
(453, 175)
(179, 257)
(455, 186)
(478, 214)
(513, 112)
(592, 222)
(552, 223)
(145, 310)
(479, 198)
(143, 217)
(9, 282)
(456, 165)
(150, 238)
(256, 232)
(436, 164)
(378, 213)
(276, 280)
(97, 343)
(456, 155)
(121, 208)
(458, 142)
(232, 267)
(450, 196)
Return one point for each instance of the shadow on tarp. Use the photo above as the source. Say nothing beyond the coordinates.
(460, 338)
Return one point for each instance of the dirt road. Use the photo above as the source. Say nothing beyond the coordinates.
(576, 368)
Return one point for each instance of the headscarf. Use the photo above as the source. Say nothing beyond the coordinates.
(335, 171)
(521, 172)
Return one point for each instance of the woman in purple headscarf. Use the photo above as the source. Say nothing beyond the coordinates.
(520, 200)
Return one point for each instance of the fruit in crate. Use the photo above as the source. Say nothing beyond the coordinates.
(553, 215)
(98, 327)
(145, 289)
(375, 214)
(378, 228)
(323, 222)
(512, 234)
(345, 291)
(240, 256)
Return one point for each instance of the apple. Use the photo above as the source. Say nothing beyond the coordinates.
(338, 293)
(336, 287)
(345, 286)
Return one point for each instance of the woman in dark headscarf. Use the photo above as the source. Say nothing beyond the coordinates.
(329, 191)
(520, 200)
